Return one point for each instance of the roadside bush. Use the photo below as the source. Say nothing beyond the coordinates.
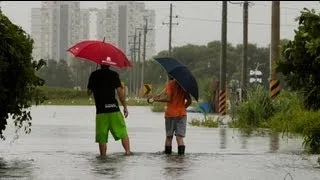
(255, 112)
(287, 119)
(207, 121)
(52, 93)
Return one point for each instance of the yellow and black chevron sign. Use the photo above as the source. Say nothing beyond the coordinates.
(147, 89)
(222, 102)
(274, 88)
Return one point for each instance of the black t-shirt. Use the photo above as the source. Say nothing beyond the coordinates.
(103, 83)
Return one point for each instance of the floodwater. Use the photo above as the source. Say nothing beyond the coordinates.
(61, 146)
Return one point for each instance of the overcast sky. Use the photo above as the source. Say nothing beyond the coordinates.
(199, 21)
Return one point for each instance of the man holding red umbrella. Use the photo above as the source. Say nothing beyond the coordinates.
(102, 84)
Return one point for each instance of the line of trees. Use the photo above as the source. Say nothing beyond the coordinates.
(203, 60)
(61, 74)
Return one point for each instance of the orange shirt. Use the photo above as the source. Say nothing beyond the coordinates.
(176, 107)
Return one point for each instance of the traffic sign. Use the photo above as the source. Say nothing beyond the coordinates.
(147, 89)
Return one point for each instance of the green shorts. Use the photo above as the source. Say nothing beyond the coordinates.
(113, 122)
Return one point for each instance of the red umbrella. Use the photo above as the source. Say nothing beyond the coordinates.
(100, 52)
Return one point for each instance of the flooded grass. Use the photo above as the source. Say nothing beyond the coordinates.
(206, 121)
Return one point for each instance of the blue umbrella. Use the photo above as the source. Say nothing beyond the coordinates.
(181, 74)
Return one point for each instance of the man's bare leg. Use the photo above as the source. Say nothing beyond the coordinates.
(103, 149)
(126, 145)
(180, 141)
(168, 141)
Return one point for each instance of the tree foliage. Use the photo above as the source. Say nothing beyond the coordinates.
(204, 62)
(57, 74)
(301, 59)
(18, 81)
(80, 71)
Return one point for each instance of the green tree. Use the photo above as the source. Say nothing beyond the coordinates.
(64, 76)
(48, 72)
(57, 74)
(204, 62)
(81, 70)
(301, 59)
(18, 80)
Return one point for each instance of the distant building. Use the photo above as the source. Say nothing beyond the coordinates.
(84, 24)
(151, 35)
(36, 33)
(55, 28)
(101, 23)
(123, 20)
(57, 25)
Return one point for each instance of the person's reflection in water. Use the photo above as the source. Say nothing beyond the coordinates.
(109, 166)
(223, 138)
(175, 166)
(274, 142)
(244, 140)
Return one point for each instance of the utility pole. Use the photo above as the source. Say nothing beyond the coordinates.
(274, 49)
(139, 64)
(223, 59)
(244, 76)
(134, 72)
(134, 60)
(131, 78)
(145, 31)
(170, 29)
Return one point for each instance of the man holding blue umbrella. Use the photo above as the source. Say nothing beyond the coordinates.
(181, 84)
(175, 115)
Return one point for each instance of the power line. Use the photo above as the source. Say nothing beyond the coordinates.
(265, 5)
(232, 22)
(287, 8)
(216, 6)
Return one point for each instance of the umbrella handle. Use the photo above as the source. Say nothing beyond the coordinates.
(150, 100)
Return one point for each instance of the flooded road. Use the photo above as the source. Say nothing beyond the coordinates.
(61, 146)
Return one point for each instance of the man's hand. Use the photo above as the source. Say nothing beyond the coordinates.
(155, 97)
(125, 112)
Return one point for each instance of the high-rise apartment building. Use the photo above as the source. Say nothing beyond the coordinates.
(151, 44)
(84, 24)
(101, 23)
(57, 25)
(59, 28)
(124, 18)
(36, 32)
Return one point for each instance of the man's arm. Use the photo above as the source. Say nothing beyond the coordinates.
(121, 96)
(165, 95)
(189, 101)
(165, 98)
(122, 100)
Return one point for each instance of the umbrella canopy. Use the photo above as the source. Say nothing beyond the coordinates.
(181, 74)
(101, 53)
